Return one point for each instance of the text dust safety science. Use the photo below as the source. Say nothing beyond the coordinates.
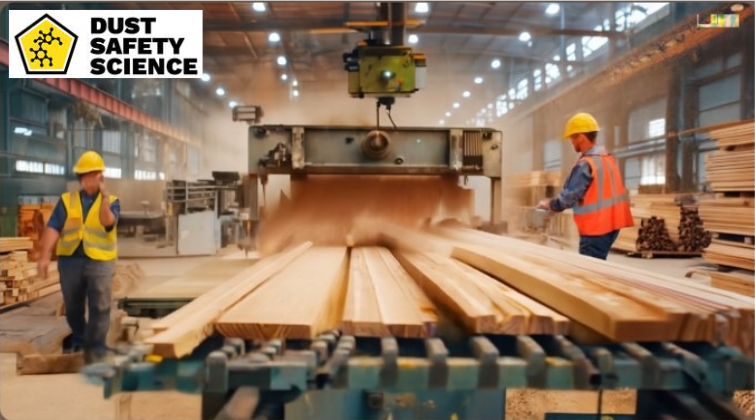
(140, 55)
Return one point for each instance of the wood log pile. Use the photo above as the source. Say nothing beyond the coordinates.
(478, 282)
(730, 213)
(32, 219)
(19, 281)
(664, 222)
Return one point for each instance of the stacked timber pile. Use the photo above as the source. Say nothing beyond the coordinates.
(483, 283)
(19, 281)
(730, 214)
(664, 222)
(32, 219)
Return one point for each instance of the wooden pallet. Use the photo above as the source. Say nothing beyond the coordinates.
(663, 254)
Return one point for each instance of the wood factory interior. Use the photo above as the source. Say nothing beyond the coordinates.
(368, 210)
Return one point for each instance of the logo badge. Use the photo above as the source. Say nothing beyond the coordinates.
(46, 46)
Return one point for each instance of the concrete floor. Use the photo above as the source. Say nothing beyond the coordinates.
(66, 397)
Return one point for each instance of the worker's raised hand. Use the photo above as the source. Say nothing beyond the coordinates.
(42, 265)
(544, 204)
(103, 188)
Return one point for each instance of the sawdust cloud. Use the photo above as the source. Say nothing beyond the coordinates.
(353, 210)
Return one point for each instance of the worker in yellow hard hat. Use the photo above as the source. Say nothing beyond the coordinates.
(594, 190)
(82, 229)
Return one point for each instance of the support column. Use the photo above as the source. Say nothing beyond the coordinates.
(673, 126)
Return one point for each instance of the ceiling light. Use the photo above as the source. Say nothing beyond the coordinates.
(220, 91)
(413, 39)
(556, 58)
(483, 111)
(456, 105)
(441, 122)
(274, 37)
(259, 7)
(295, 92)
(421, 8)
(490, 106)
(737, 7)
(284, 77)
(569, 68)
(282, 60)
(232, 104)
(466, 94)
(295, 83)
(478, 80)
(205, 77)
(448, 114)
(495, 63)
(552, 9)
(525, 36)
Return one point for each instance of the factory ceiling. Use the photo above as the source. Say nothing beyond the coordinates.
(313, 35)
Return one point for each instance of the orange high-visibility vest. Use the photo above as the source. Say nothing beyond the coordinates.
(605, 206)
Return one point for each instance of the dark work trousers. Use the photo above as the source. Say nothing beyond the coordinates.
(597, 246)
(87, 284)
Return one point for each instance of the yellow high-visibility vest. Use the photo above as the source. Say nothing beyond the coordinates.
(99, 244)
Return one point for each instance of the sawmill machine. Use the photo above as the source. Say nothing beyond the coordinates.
(382, 68)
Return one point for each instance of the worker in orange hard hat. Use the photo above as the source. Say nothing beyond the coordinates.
(594, 190)
(82, 229)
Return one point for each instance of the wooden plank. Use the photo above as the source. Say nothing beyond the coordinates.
(610, 314)
(384, 295)
(186, 328)
(305, 299)
(15, 244)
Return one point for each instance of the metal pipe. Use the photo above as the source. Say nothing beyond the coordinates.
(385, 15)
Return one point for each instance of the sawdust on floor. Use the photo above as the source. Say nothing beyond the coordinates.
(533, 404)
(745, 400)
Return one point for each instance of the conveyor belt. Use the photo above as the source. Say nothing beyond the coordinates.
(343, 376)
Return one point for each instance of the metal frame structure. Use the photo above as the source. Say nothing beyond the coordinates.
(346, 377)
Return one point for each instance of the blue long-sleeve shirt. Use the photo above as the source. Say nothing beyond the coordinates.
(59, 215)
(577, 183)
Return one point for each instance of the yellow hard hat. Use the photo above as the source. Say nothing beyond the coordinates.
(90, 161)
(580, 123)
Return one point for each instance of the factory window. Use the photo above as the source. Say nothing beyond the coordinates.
(30, 166)
(111, 142)
(537, 75)
(657, 127)
(501, 106)
(53, 169)
(29, 107)
(112, 173)
(571, 52)
(632, 173)
(590, 44)
(653, 169)
(719, 101)
(552, 72)
(552, 155)
(522, 89)
(149, 149)
(512, 93)
(631, 15)
(141, 175)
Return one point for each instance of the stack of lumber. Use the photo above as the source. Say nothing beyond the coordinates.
(663, 223)
(15, 244)
(730, 215)
(19, 281)
(692, 234)
(304, 299)
(653, 236)
(482, 304)
(737, 282)
(623, 304)
(535, 179)
(32, 219)
(383, 300)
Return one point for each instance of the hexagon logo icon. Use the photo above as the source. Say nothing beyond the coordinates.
(46, 46)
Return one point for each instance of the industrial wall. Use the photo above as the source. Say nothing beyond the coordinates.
(639, 112)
